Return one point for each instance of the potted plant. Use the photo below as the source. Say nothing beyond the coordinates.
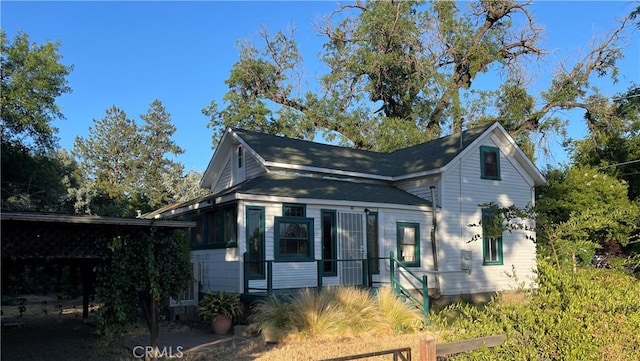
(220, 308)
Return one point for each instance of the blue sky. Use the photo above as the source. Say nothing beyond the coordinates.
(129, 53)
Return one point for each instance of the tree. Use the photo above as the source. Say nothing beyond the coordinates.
(143, 270)
(613, 142)
(34, 177)
(156, 145)
(32, 77)
(581, 210)
(401, 71)
(182, 186)
(127, 168)
(40, 182)
(109, 160)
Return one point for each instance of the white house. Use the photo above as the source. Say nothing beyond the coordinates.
(286, 213)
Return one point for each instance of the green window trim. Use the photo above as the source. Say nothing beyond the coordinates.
(308, 254)
(329, 251)
(485, 168)
(491, 246)
(257, 271)
(294, 210)
(402, 244)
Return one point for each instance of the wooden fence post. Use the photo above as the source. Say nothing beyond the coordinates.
(428, 348)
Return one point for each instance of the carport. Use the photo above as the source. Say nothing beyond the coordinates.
(74, 240)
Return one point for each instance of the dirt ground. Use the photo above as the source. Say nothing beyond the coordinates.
(48, 329)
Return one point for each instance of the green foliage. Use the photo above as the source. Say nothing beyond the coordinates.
(613, 142)
(503, 219)
(219, 303)
(108, 156)
(40, 182)
(34, 176)
(333, 313)
(592, 314)
(399, 72)
(31, 79)
(128, 168)
(155, 152)
(143, 266)
(581, 209)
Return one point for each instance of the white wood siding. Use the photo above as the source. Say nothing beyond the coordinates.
(421, 187)
(226, 178)
(462, 192)
(220, 269)
(252, 167)
(389, 243)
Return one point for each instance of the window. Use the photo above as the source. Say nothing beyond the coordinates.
(372, 242)
(490, 163)
(227, 237)
(329, 242)
(240, 157)
(197, 234)
(293, 239)
(409, 243)
(215, 229)
(491, 241)
(188, 296)
(255, 242)
(294, 210)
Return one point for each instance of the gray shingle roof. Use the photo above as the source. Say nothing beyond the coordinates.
(422, 157)
(280, 185)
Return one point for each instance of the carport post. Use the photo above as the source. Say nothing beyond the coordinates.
(85, 274)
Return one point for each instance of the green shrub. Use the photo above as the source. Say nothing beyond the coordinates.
(593, 314)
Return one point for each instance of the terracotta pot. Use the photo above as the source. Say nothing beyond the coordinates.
(221, 324)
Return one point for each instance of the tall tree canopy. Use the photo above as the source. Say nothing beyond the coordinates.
(402, 71)
(32, 77)
(35, 176)
(157, 148)
(613, 142)
(128, 166)
(109, 159)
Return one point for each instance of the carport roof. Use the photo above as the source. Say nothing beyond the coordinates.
(48, 236)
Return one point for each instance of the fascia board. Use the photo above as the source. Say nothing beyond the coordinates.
(522, 158)
(214, 159)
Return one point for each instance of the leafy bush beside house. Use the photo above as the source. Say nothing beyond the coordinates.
(592, 314)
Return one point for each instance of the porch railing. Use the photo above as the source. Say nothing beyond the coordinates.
(396, 285)
(367, 277)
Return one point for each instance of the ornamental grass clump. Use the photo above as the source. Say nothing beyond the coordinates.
(397, 314)
(272, 318)
(335, 312)
(316, 315)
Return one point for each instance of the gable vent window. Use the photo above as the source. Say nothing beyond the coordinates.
(490, 163)
(240, 157)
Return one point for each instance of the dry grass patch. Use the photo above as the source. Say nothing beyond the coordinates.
(315, 349)
(335, 313)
